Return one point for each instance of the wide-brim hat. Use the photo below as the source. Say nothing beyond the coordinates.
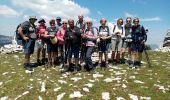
(33, 17)
(41, 20)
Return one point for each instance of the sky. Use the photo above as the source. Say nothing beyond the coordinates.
(153, 14)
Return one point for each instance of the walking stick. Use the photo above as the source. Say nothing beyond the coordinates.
(147, 57)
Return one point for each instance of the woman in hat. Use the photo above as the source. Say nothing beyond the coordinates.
(40, 42)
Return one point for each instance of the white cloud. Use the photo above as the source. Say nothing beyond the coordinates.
(52, 8)
(127, 14)
(151, 19)
(99, 13)
(7, 11)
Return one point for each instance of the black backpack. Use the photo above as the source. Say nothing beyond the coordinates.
(25, 31)
(109, 40)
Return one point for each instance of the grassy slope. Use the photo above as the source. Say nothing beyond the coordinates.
(15, 84)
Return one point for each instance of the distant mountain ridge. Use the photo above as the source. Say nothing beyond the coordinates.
(5, 40)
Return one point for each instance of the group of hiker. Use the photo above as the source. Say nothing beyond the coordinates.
(72, 43)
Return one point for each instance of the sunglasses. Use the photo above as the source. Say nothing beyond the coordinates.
(88, 23)
(64, 23)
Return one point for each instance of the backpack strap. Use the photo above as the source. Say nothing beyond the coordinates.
(114, 28)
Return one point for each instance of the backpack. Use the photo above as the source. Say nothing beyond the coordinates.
(25, 31)
(109, 40)
(92, 30)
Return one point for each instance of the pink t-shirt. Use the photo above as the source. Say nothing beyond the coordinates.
(60, 35)
(89, 34)
(41, 30)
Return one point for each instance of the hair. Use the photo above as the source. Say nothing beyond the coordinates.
(102, 20)
(52, 21)
(119, 20)
(136, 18)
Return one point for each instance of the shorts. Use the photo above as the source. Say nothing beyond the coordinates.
(40, 44)
(137, 47)
(116, 45)
(74, 50)
(28, 46)
(103, 46)
(52, 47)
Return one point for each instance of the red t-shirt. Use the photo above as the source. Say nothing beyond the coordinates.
(41, 30)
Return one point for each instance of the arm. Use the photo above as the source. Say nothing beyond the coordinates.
(20, 31)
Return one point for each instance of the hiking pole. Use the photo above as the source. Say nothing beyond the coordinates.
(147, 57)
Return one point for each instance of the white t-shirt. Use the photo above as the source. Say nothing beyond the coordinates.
(120, 30)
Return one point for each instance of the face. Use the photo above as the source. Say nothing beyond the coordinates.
(120, 22)
(128, 21)
(58, 20)
(89, 24)
(52, 24)
(103, 22)
(80, 18)
(136, 22)
(42, 23)
(33, 21)
(71, 23)
(64, 24)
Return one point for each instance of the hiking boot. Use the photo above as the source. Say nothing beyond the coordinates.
(27, 67)
(39, 62)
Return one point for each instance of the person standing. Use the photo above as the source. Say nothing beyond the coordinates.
(60, 37)
(72, 38)
(82, 25)
(58, 22)
(27, 31)
(139, 38)
(41, 45)
(127, 41)
(52, 46)
(90, 36)
(117, 36)
(104, 40)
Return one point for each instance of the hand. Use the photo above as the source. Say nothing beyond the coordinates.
(25, 38)
(51, 36)
(143, 42)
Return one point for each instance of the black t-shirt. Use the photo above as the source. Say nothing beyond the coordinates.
(73, 36)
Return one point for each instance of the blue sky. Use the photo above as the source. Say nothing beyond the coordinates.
(153, 14)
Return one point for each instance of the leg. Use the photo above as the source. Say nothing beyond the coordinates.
(88, 60)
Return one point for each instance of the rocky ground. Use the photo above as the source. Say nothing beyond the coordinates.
(115, 83)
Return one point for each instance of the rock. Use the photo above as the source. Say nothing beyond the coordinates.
(76, 94)
(133, 97)
(60, 96)
(105, 96)
(86, 89)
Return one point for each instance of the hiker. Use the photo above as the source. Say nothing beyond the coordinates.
(90, 36)
(58, 24)
(104, 40)
(41, 45)
(51, 40)
(127, 41)
(117, 35)
(60, 37)
(27, 31)
(72, 38)
(139, 38)
(82, 25)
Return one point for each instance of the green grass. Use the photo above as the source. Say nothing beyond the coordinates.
(16, 81)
